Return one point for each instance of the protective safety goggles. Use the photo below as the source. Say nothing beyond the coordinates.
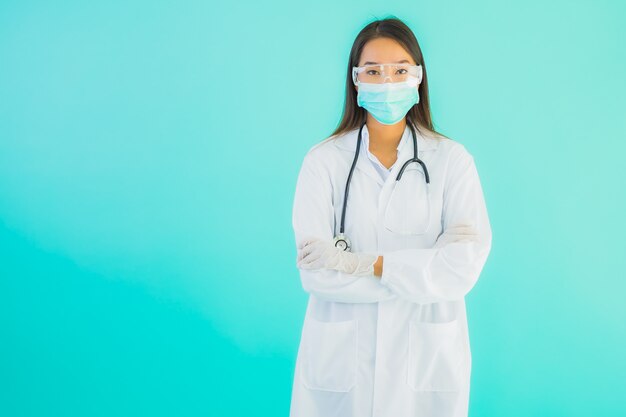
(381, 73)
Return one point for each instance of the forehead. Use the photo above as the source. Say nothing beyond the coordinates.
(384, 50)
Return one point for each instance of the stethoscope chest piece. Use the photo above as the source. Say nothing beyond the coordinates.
(342, 242)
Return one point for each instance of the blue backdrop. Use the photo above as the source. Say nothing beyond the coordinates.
(148, 157)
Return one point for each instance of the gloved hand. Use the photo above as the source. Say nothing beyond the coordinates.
(457, 233)
(314, 253)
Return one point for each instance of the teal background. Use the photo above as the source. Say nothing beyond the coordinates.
(148, 158)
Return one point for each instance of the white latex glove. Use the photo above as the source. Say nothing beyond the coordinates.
(315, 253)
(456, 233)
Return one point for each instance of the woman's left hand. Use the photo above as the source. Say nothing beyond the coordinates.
(314, 253)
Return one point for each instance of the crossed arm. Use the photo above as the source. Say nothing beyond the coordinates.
(447, 271)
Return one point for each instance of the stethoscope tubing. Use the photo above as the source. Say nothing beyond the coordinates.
(356, 157)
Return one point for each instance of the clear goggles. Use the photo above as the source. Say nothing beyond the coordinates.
(381, 73)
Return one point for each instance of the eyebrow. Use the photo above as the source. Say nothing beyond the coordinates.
(397, 62)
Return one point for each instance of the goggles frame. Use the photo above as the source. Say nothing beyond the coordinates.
(416, 71)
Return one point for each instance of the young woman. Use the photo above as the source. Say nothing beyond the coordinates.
(392, 232)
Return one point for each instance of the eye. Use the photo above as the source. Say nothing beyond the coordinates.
(403, 69)
(369, 72)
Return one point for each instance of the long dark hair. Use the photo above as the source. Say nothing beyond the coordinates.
(419, 115)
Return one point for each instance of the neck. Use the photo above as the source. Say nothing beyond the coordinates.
(384, 137)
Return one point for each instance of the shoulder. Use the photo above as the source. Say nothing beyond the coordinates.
(454, 157)
(459, 165)
(446, 145)
(451, 150)
(327, 152)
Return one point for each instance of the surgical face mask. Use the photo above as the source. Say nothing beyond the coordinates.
(388, 102)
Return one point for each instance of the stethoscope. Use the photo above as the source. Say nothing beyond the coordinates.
(341, 241)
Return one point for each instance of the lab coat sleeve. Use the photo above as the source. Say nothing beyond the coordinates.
(313, 216)
(449, 269)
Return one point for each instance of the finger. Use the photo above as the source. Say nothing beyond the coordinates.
(309, 257)
(301, 254)
(462, 229)
(306, 241)
(306, 255)
(306, 249)
(303, 262)
(308, 264)
(307, 245)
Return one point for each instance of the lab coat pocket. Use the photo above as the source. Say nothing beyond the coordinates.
(330, 355)
(436, 356)
(409, 210)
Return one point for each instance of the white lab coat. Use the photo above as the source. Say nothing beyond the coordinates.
(397, 346)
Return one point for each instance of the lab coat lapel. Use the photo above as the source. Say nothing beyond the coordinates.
(348, 143)
(406, 152)
(364, 165)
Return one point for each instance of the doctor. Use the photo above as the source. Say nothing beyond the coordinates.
(392, 232)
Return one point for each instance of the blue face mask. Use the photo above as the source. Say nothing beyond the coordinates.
(388, 102)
